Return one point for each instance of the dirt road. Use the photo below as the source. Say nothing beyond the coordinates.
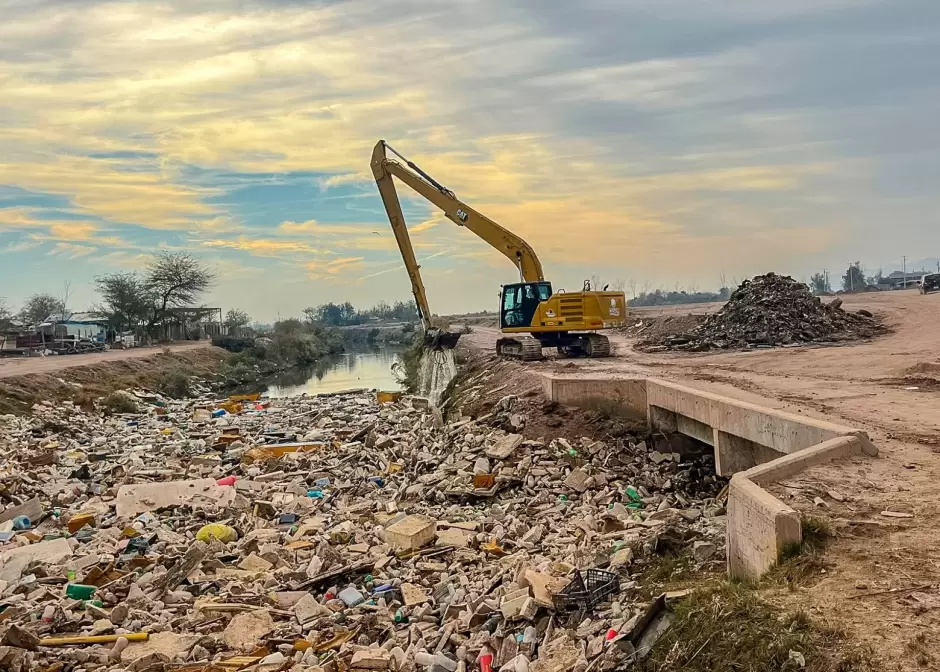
(891, 388)
(27, 365)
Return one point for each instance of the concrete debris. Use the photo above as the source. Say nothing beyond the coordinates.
(329, 532)
(772, 310)
(703, 551)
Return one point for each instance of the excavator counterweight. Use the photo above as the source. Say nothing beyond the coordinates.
(532, 316)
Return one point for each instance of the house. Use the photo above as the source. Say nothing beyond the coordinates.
(75, 326)
(902, 280)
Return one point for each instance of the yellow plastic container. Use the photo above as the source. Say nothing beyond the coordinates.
(223, 533)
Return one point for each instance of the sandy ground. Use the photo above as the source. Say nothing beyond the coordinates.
(862, 385)
(22, 366)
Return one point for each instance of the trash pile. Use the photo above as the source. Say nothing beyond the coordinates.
(772, 310)
(352, 531)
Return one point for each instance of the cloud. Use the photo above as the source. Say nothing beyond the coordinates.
(21, 246)
(263, 246)
(313, 227)
(658, 138)
(71, 250)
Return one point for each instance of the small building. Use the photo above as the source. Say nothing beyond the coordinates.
(902, 280)
(76, 326)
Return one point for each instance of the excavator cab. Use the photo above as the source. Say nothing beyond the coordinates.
(519, 302)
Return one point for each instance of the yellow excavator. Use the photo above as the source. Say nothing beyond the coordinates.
(531, 315)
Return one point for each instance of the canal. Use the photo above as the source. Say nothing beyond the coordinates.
(350, 370)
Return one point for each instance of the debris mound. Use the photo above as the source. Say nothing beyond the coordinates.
(774, 310)
(353, 531)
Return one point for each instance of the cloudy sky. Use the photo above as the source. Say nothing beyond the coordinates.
(668, 141)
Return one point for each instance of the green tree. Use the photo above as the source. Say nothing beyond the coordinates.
(38, 307)
(236, 320)
(819, 283)
(6, 315)
(289, 326)
(126, 301)
(175, 280)
(853, 280)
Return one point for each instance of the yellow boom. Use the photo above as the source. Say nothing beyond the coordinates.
(529, 306)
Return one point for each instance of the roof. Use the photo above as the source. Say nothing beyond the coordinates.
(75, 318)
(898, 275)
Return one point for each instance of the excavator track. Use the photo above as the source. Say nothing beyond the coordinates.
(597, 346)
(526, 348)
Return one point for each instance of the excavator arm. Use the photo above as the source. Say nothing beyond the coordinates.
(512, 246)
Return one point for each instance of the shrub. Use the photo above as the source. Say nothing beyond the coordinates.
(175, 384)
(120, 401)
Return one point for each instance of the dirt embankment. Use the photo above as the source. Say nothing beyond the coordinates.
(161, 371)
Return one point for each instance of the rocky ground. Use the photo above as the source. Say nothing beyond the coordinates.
(335, 532)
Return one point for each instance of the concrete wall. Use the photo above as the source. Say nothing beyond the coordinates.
(631, 392)
(754, 444)
(744, 435)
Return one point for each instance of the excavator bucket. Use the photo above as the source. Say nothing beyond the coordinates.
(439, 339)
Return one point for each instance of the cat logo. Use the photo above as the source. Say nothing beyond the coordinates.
(549, 313)
(613, 311)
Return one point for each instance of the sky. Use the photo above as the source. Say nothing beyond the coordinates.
(671, 143)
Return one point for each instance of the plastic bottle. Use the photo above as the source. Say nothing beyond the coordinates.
(486, 660)
(21, 523)
(228, 480)
(48, 614)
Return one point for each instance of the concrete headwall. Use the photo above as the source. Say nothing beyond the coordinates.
(631, 392)
(752, 443)
(743, 435)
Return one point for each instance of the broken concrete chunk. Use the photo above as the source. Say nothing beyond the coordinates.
(453, 537)
(255, 563)
(411, 533)
(162, 646)
(133, 500)
(504, 446)
(246, 630)
(371, 659)
(577, 480)
(308, 608)
(621, 558)
(14, 561)
(32, 509)
(412, 594)
(703, 551)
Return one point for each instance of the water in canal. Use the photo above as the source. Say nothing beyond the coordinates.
(369, 369)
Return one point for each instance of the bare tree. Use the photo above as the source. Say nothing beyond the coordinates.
(175, 280)
(65, 295)
(631, 283)
(646, 287)
(620, 284)
(595, 281)
(722, 280)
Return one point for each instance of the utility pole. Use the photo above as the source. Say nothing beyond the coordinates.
(826, 274)
(851, 279)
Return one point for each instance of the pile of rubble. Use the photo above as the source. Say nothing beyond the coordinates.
(772, 310)
(331, 533)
